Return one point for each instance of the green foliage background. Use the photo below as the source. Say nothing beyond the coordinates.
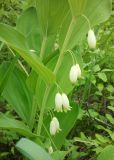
(94, 128)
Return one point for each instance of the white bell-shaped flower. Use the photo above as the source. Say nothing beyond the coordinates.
(53, 128)
(75, 73)
(55, 120)
(50, 150)
(65, 100)
(91, 39)
(58, 102)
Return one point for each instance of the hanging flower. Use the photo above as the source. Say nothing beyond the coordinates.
(53, 129)
(65, 101)
(91, 39)
(50, 150)
(57, 124)
(54, 126)
(75, 73)
(58, 102)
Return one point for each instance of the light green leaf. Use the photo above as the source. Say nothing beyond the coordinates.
(18, 43)
(107, 153)
(62, 80)
(77, 7)
(111, 108)
(67, 121)
(51, 15)
(34, 61)
(5, 71)
(110, 118)
(102, 76)
(14, 125)
(96, 68)
(92, 11)
(18, 95)
(32, 150)
(28, 21)
(28, 25)
(110, 88)
(59, 155)
(12, 37)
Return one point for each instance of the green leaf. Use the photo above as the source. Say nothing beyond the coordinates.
(51, 15)
(5, 71)
(28, 21)
(110, 88)
(77, 7)
(101, 139)
(96, 68)
(32, 150)
(28, 25)
(110, 118)
(11, 36)
(59, 155)
(102, 76)
(67, 121)
(92, 10)
(62, 80)
(107, 153)
(14, 125)
(18, 95)
(18, 43)
(33, 60)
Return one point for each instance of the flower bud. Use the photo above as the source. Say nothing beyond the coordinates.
(65, 100)
(91, 39)
(73, 75)
(50, 150)
(75, 72)
(53, 128)
(58, 102)
(55, 120)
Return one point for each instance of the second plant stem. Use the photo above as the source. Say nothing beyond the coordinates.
(58, 64)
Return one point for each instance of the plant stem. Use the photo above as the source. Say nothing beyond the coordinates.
(43, 47)
(40, 122)
(66, 41)
(19, 62)
(33, 112)
(60, 59)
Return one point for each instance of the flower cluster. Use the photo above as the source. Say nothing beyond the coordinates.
(61, 100)
(62, 103)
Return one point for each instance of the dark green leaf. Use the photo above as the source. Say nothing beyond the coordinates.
(14, 125)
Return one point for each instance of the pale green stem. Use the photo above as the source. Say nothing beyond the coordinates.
(33, 112)
(73, 58)
(60, 59)
(87, 20)
(43, 47)
(40, 122)
(66, 41)
(19, 62)
(42, 52)
(50, 137)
